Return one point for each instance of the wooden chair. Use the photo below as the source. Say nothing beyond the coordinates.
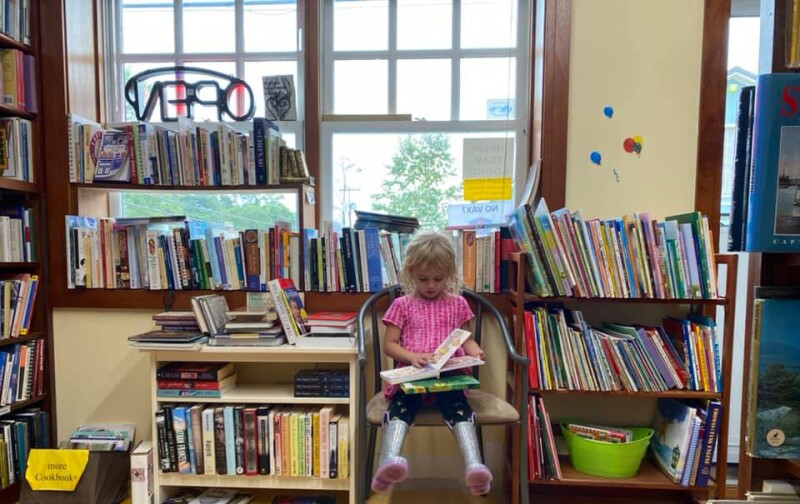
(489, 409)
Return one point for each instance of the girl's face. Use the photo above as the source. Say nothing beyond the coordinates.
(430, 282)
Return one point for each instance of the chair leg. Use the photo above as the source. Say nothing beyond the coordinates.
(373, 434)
(479, 430)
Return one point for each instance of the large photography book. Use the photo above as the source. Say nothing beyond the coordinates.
(773, 209)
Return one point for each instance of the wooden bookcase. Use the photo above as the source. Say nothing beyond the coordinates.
(766, 269)
(649, 482)
(269, 390)
(31, 195)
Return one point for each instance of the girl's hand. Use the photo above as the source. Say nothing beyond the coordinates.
(419, 360)
(474, 350)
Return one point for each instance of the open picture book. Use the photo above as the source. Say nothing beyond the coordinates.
(442, 361)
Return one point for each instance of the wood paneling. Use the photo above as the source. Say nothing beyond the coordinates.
(711, 130)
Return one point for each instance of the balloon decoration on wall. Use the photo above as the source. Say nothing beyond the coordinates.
(633, 145)
(596, 158)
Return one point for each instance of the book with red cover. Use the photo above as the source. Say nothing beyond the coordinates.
(200, 371)
(331, 318)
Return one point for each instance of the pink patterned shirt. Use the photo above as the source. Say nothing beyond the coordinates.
(424, 323)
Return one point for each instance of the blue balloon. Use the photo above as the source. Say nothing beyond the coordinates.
(596, 157)
(609, 112)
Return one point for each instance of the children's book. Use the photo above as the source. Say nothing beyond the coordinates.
(331, 319)
(673, 431)
(600, 432)
(773, 419)
(443, 384)
(438, 363)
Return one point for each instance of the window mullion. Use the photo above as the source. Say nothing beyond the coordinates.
(328, 106)
(455, 64)
(392, 62)
(178, 23)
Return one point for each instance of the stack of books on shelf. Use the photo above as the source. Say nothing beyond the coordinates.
(103, 437)
(235, 328)
(288, 441)
(18, 434)
(17, 300)
(209, 496)
(542, 453)
(568, 354)
(16, 234)
(178, 331)
(194, 154)
(634, 256)
(329, 329)
(685, 439)
(322, 383)
(16, 137)
(195, 379)
(22, 372)
(482, 258)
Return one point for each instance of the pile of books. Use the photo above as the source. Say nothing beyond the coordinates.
(442, 361)
(685, 439)
(397, 223)
(236, 439)
(103, 437)
(542, 453)
(322, 383)
(634, 256)
(210, 496)
(567, 354)
(195, 379)
(234, 328)
(329, 329)
(178, 330)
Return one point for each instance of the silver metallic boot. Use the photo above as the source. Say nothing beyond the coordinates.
(477, 476)
(392, 468)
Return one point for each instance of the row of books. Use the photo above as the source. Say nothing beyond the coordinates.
(16, 149)
(17, 301)
(19, 433)
(482, 260)
(288, 441)
(543, 463)
(102, 437)
(197, 154)
(16, 234)
(765, 201)
(195, 379)
(22, 372)
(15, 20)
(685, 439)
(18, 80)
(322, 383)
(568, 354)
(633, 256)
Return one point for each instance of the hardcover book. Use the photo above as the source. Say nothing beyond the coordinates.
(773, 210)
(443, 384)
(440, 362)
(774, 418)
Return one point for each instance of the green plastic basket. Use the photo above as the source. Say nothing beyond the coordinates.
(608, 460)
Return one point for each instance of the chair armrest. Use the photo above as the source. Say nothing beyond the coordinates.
(501, 321)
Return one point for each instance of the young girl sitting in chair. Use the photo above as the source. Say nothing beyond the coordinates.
(416, 324)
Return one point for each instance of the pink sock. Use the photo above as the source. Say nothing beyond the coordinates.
(392, 471)
(478, 479)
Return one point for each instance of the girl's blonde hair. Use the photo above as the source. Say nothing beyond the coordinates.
(429, 250)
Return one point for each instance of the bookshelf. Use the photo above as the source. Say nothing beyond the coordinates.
(766, 269)
(266, 388)
(32, 196)
(649, 481)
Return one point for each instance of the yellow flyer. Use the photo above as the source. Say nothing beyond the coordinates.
(56, 469)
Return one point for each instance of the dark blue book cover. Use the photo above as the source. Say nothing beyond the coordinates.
(773, 213)
(774, 409)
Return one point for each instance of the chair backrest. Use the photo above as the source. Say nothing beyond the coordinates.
(479, 304)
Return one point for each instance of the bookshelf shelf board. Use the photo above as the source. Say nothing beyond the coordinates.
(538, 299)
(10, 408)
(18, 266)
(14, 112)
(283, 353)
(649, 477)
(792, 467)
(677, 394)
(220, 188)
(22, 339)
(17, 185)
(260, 394)
(276, 482)
(7, 42)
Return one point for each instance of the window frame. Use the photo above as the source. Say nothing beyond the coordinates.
(519, 126)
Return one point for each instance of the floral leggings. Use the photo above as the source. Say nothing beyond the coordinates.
(453, 405)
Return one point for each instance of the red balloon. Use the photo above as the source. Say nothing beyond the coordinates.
(628, 145)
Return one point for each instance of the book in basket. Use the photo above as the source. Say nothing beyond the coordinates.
(441, 361)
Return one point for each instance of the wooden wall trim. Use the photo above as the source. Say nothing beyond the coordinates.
(312, 66)
(550, 100)
(711, 127)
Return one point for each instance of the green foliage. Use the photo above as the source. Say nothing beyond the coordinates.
(241, 211)
(778, 386)
(418, 182)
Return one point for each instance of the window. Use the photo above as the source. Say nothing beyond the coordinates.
(457, 67)
(251, 39)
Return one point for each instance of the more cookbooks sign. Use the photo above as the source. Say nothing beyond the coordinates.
(59, 470)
